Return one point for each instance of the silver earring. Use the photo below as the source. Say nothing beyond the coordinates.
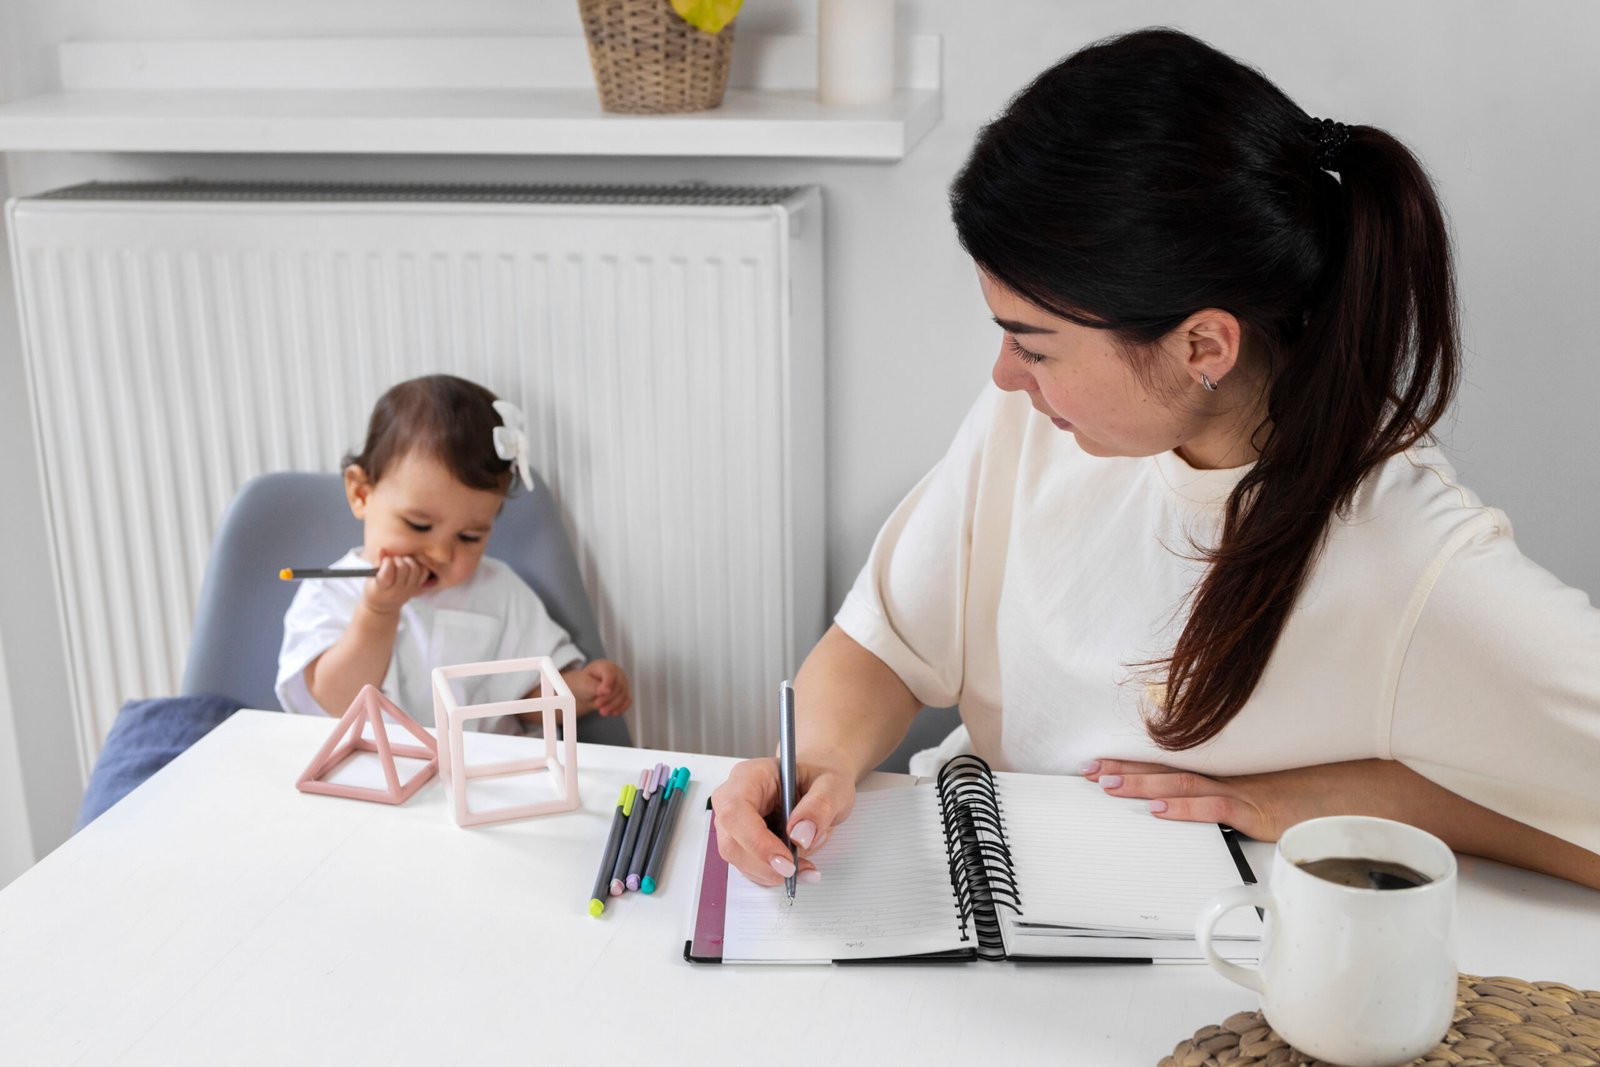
(1207, 384)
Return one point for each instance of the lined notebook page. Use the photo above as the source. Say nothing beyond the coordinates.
(1086, 859)
(885, 891)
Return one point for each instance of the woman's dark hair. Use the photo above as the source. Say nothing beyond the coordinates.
(1148, 177)
(440, 415)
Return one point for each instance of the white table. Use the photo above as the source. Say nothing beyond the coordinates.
(218, 915)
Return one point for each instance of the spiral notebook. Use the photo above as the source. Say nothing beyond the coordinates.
(982, 865)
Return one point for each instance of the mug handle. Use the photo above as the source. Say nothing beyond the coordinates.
(1239, 896)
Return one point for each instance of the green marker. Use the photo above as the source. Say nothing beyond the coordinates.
(673, 798)
(597, 899)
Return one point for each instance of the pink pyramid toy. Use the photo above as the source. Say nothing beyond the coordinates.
(369, 708)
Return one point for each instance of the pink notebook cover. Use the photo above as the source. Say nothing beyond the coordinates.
(710, 913)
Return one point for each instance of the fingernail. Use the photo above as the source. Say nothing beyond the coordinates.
(803, 833)
(1091, 767)
(810, 875)
(1110, 781)
(1158, 805)
(784, 866)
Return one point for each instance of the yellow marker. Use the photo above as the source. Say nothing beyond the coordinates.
(602, 882)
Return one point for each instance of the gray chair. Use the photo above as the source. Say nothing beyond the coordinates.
(301, 519)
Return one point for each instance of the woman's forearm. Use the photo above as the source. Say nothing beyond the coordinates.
(851, 710)
(1265, 805)
(1477, 831)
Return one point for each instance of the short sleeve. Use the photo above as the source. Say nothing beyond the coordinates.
(907, 606)
(1499, 694)
(316, 618)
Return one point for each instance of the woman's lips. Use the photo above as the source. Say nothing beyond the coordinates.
(1061, 424)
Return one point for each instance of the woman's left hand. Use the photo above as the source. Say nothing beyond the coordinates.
(1263, 806)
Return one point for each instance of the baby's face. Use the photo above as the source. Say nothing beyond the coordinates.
(420, 510)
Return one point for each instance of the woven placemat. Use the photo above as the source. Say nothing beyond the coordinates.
(1499, 1021)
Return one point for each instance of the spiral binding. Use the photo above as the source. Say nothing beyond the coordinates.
(982, 875)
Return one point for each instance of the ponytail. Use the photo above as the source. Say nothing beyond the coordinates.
(1373, 372)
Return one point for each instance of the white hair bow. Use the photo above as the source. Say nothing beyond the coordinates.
(510, 442)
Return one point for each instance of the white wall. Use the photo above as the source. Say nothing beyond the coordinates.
(1500, 100)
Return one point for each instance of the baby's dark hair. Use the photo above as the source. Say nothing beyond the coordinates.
(440, 415)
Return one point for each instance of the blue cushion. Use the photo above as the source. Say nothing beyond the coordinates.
(147, 735)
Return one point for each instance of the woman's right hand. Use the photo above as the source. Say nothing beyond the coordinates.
(399, 578)
(752, 792)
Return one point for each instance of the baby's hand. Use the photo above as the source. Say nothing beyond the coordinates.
(399, 578)
(599, 685)
(611, 693)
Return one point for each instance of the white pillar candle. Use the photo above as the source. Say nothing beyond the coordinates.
(855, 51)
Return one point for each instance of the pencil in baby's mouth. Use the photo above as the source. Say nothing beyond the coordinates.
(292, 574)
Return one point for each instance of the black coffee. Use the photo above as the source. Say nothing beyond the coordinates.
(1361, 873)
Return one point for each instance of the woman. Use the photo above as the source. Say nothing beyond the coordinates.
(1198, 537)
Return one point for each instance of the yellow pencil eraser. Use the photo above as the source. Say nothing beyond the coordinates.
(595, 908)
(286, 574)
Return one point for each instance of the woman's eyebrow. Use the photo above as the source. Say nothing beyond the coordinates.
(1019, 327)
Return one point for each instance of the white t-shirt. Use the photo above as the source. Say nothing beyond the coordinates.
(493, 615)
(1022, 578)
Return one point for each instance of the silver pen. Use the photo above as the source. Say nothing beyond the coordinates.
(786, 770)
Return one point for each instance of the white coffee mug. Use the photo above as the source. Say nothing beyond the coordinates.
(1363, 977)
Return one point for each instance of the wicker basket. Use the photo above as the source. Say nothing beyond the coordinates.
(647, 59)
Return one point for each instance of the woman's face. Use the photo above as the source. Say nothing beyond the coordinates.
(1078, 378)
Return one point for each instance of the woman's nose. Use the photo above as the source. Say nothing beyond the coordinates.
(1010, 375)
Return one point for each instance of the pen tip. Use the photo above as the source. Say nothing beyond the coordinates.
(596, 907)
(633, 881)
(286, 574)
(616, 887)
(647, 885)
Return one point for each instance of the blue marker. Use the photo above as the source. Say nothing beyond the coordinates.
(673, 799)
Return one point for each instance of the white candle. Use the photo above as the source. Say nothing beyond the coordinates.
(855, 51)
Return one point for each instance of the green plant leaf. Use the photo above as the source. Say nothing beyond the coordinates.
(708, 15)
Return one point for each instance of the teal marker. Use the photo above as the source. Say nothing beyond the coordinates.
(673, 798)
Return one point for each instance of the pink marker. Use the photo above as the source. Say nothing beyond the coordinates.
(619, 873)
(651, 816)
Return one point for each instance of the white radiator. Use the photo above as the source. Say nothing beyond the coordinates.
(666, 344)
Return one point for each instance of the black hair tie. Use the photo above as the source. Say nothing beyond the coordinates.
(1331, 138)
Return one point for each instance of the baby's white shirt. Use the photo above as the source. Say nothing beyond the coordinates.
(493, 615)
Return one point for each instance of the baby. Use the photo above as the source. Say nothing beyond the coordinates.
(438, 463)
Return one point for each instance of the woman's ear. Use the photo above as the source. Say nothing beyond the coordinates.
(1209, 343)
(356, 490)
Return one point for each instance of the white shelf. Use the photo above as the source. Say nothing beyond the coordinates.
(487, 96)
(460, 122)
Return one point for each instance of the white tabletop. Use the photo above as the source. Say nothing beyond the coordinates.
(219, 915)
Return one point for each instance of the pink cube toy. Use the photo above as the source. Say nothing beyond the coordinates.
(556, 706)
(368, 709)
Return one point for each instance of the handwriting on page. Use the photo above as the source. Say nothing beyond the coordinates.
(885, 891)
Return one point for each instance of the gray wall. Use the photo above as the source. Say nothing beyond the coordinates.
(1500, 100)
